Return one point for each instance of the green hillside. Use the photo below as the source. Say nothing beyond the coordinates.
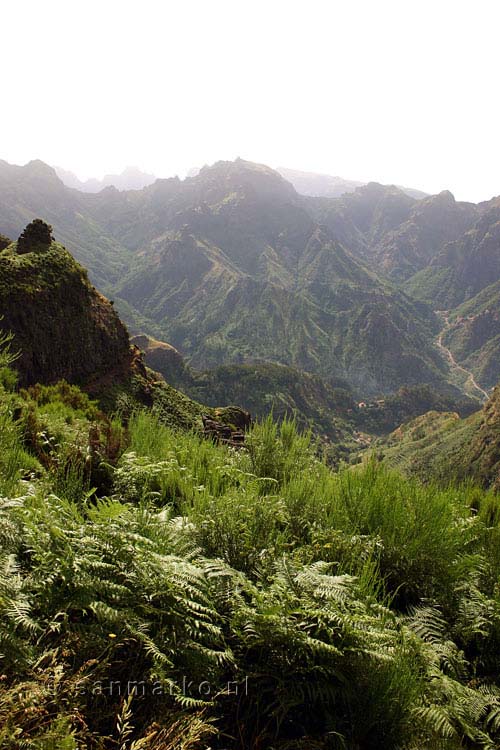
(63, 331)
(329, 409)
(465, 267)
(160, 591)
(246, 275)
(474, 335)
(444, 447)
(231, 266)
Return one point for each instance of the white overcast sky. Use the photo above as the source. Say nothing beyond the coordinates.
(396, 91)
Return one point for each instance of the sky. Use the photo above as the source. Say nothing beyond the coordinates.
(394, 91)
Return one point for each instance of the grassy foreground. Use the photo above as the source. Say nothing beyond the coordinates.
(158, 591)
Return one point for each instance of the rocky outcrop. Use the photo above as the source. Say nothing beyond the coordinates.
(227, 425)
(62, 327)
(37, 237)
(221, 431)
(163, 358)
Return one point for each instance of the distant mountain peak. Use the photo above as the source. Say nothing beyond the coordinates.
(132, 178)
(39, 166)
(319, 185)
(240, 166)
(246, 177)
(36, 168)
(376, 188)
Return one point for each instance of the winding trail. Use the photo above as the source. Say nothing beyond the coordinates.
(444, 314)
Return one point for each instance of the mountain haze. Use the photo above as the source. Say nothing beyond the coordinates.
(328, 186)
(131, 178)
(233, 266)
(245, 273)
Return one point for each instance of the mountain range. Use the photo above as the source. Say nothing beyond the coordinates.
(131, 178)
(149, 540)
(65, 332)
(233, 266)
(329, 186)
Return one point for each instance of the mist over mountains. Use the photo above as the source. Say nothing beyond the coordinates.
(328, 186)
(305, 183)
(131, 178)
(370, 318)
(233, 266)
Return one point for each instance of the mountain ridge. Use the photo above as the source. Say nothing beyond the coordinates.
(131, 178)
(345, 285)
(316, 184)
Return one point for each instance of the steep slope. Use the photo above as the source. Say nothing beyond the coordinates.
(64, 329)
(35, 190)
(246, 274)
(62, 326)
(383, 415)
(474, 335)
(164, 359)
(261, 389)
(442, 251)
(359, 220)
(233, 265)
(393, 233)
(433, 222)
(465, 267)
(447, 448)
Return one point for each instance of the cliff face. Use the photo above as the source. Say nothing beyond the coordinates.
(63, 328)
(165, 359)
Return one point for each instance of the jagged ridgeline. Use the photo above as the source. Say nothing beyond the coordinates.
(233, 266)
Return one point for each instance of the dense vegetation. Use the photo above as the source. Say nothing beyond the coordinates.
(330, 410)
(233, 266)
(474, 335)
(261, 388)
(380, 416)
(46, 297)
(160, 591)
(443, 447)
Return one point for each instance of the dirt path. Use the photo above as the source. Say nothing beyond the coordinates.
(449, 356)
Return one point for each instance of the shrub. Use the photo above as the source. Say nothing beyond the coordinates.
(278, 452)
(36, 237)
(322, 610)
(65, 394)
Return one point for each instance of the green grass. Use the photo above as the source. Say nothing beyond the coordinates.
(353, 609)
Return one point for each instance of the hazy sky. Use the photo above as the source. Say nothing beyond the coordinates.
(401, 92)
